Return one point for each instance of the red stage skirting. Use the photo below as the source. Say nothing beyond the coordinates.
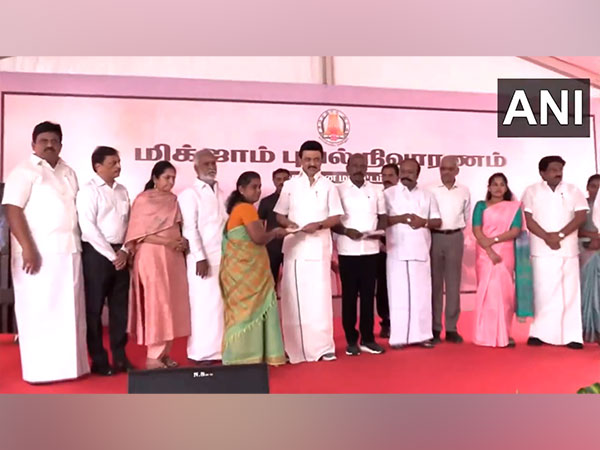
(448, 368)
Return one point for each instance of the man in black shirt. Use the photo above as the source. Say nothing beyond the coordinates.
(265, 212)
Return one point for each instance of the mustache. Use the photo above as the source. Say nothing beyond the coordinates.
(406, 179)
(312, 167)
(358, 173)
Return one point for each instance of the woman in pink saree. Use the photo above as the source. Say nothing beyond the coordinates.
(159, 307)
(497, 222)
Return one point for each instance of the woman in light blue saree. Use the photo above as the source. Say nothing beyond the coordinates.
(589, 263)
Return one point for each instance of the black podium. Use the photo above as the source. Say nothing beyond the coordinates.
(242, 379)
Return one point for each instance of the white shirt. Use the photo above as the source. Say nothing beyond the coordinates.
(304, 204)
(454, 205)
(103, 215)
(552, 210)
(47, 196)
(403, 242)
(204, 218)
(362, 205)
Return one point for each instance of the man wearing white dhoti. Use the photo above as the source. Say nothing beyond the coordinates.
(310, 204)
(554, 211)
(203, 209)
(39, 199)
(411, 213)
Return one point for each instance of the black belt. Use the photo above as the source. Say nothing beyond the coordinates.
(446, 231)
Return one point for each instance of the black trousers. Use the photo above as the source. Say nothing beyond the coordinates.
(103, 282)
(383, 306)
(276, 261)
(358, 275)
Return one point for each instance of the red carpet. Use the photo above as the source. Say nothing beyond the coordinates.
(448, 368)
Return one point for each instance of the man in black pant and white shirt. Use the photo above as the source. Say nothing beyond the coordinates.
(358, 250)
(103, 209)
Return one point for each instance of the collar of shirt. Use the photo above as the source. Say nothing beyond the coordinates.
(454, 186)
(559, 186)
(204, 185)
(317, 177)
(348, 183)
(415, 189)
(98, 181)
(37, 161)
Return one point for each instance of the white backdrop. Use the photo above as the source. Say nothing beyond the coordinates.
(245, 133)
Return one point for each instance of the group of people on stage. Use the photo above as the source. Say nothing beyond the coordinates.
(206, 266)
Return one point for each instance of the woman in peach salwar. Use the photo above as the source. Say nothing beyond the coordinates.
(497, 222)
(159, 308)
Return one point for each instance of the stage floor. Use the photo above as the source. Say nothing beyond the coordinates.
(447, 368)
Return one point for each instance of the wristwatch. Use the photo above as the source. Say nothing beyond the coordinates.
(496, 239)
(561, 235)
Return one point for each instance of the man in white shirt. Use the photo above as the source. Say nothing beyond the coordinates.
(103, 209)
(390, 175)
(357, 249)
(447, 244)
(203, 209)
(39, 200)
(310, 204)
(554, 211)
(411, 213)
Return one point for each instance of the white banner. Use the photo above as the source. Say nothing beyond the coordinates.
(265, 136)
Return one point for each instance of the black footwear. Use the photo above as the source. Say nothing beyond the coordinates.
(397, 346)
(426, 344)
(352, 350)
(372, 347)
(122, 366)
(103, 370)
(453, 336)
(534, 342)
(575, 345)
(511, 342)
(385, 332)
(436, 337)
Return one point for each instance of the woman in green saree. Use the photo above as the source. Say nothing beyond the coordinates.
(252, 331)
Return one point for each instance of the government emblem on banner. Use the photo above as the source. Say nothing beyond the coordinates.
(333, 126)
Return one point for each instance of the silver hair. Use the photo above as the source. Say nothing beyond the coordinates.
(201, 153)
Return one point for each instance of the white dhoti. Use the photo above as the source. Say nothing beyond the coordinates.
(306, 309)
(409, 293)
(556, 300)
(50, 311)
(207, 314)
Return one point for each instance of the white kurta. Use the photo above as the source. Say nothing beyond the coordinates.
(204, 217)
(50, 305)
(408, 266)
(556, 287)
(306, 304)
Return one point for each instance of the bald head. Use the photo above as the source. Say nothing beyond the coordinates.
(357, 168)
(449, 170)
(205, 164)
